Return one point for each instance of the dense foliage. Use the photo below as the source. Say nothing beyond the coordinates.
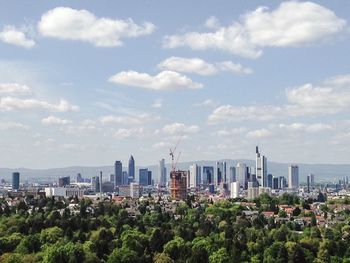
(49, 231)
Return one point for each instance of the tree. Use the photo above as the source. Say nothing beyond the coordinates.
(219, 256)
(123, 255)
(162, 258)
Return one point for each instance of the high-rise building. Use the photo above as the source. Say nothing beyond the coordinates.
(149, 178)
(195, 176)
(118, 173)
(178, 185)
(269, 180)
(253, 192)
(95, 184)
(261, 168)
(15, 181)
(308, 181)
(143, 176)
(312, 181)
(64, 181)
(293, 176)
(232, 177)
(282, 182)
(131, 168)
(135, 190)
(275, 184)
(241, 174)
(112, 178)
(224, 173)
(234, 189)
(162, 173)
(207, 175)
(79, 178)
(219, 173)
(125, 177)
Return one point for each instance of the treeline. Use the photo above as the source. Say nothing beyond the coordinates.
(220, 232)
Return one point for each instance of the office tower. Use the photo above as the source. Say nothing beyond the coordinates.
(15, 181)
(253, 192)
(95, 184)
(293, 176)
(234, 189)
(308, 181)
(232, 175)
(269, 180)
(178, 185)
(162, 173)
(101, 185)
(112, 178)
(143, 176)
(312, 181)
(125, 177)
(208, 175)
(224, 172)
(118, 173)
(219, 172)
(149, 179)
(282, 182)
(79, 178)
(241, 174)
(195, 176)
(64, 181)
(261, 168)
(131, 168)
(275, 184)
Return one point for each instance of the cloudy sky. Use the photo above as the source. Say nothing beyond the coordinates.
(89, 82)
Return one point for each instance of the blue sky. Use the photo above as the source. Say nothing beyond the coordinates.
(89, 82)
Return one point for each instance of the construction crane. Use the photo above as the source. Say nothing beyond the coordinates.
(172, 154)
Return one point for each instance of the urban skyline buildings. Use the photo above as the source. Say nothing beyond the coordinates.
(131, 169)
(261, 168)
(118, 173)
(293, 176)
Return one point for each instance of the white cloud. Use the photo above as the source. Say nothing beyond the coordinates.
(72, 24)
(281, 27)
(207, 103)
(157, 104)
(12, 125)
(12, 103)
(14, 89)
(11, 35)
(302, 127)
(127, 133)
(125, 120)
(212, 23)
(201, 67)
(331, 97)
(53, 120)
(180, 128)
(230, 132)
(257, 134)
(162, 145)
(165, 80)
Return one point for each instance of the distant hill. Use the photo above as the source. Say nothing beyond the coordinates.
(322, 172)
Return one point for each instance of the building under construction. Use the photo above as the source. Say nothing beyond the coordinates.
(178, 185)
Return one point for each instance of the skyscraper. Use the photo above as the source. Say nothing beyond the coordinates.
(143, 176)
(95, 184)
(269, 181)
(232, 177)
(234, 189)
(162, 173)
(308, 179)
(131, 168)
(261, 168)
(118, 172)
(293, 176)
(218, 173)
(241, 174)
(64, 181)
(15, 181)
(208, 175)
(195, 175)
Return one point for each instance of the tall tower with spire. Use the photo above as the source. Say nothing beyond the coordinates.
(131, 168)
(261, 168)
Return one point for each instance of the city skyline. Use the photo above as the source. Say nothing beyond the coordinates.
(133, 80)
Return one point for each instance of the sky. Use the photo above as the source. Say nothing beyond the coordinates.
(91, 82)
